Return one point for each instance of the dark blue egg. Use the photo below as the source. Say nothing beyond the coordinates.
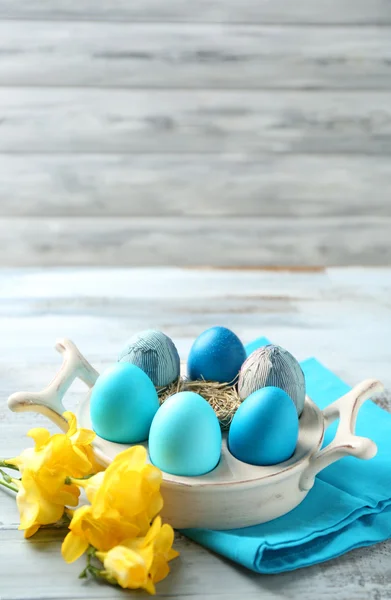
(216, 355)
(265, 428)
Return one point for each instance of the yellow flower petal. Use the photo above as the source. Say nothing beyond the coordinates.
(165, 538)
(73, 547)
(122, 489)
(40, 435)
(155, 505)
(153, 476)
(30, 459)
(130, 569)
(82, 437)
(27, 500)
(172, 553)
(34, 506)
(134, 458)
(68, 495)
(149, 587)
(160, 569)
(91, 485)
(80, 461)
(72, 422)
(30, 531)
(79, 516)
(153, 531)
(96, 466)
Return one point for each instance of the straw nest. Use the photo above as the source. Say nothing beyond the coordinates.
(223, 397)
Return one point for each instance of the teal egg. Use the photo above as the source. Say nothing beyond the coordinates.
(265, 428)
(185, 436)
(123, 403)
(155, 353)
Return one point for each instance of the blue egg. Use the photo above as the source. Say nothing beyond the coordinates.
(265, 428)
(216, 355)
(123, 403)
(185, 436)
(155, 353)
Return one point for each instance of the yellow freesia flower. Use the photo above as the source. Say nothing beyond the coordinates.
(102, 533)
(124, 499)
(162, 539)
(39, 505)
(128, 568)
(141, 562)
(130, 487)
(42, 492)
(70, 452)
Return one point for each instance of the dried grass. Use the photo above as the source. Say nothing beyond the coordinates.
(223, 397)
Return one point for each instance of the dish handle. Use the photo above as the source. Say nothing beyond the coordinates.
(49, 401)
(345, 442)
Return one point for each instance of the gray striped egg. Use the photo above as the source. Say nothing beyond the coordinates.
(273, 366)
(155, 353)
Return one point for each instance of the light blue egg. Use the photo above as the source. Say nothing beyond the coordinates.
(123, 403)
(185, 436)
(155, 353)
(272, 365)
(265, 428)
(216, 355)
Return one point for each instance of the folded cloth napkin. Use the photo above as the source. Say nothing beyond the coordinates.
(348, 507)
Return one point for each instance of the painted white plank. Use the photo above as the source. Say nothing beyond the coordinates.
(194, 185)
(361, 574)
(329, 314)
(247, 11)
(159, 284)
(198, 241)
(86, 120)
(193, 56)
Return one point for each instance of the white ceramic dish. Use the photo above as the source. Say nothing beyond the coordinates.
(234, 494)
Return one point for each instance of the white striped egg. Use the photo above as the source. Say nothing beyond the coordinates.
(155, 353)
(273, 366)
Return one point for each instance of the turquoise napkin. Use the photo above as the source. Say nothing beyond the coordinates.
(348, 507)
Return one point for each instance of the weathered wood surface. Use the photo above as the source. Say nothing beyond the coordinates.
(204, 186)
(325, 12)
(331, 314)
(197, 241)
(206, 121)
(274, 110)
(158, 55)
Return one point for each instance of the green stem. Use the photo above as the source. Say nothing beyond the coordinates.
(9, 486)
(89, 568)
(70, 480)
(94, 571)
(7, 465)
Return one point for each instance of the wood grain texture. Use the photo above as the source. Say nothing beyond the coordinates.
(181, 56)
(98, 121)
(193, 242)
(196, 574)
(194, 185)
(329, 314)
(326, 12)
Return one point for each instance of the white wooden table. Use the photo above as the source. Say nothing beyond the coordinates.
(342, 316)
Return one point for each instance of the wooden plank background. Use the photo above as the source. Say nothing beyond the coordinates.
(325, 12)
(275, 116)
